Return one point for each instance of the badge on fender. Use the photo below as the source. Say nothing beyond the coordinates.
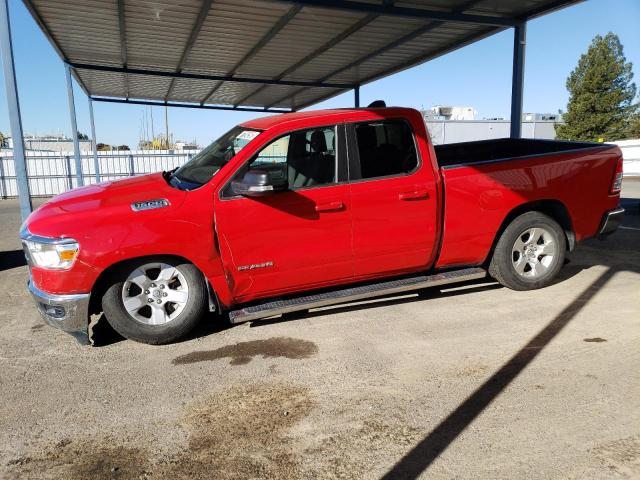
(149, 204)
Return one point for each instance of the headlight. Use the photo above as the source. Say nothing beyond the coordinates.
(57, 255)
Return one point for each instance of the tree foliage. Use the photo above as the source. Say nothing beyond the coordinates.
(634, 127)
(601, 94)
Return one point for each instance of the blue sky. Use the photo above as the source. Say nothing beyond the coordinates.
(478, 75)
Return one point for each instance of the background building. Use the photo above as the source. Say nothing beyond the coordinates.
(51, 143)
(451, 124)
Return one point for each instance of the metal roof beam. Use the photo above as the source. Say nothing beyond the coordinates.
(396, 43)
(195, 31)
(550, 8)
(316, 53)
(406, 12)
(415, 60)
(197, 76)
(355, 63)
(273, 31)
(122, 27)
(56, 46)
(186, 105)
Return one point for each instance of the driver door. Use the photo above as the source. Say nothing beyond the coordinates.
(296, 239)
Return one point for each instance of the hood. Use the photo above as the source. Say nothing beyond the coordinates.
(83, 207)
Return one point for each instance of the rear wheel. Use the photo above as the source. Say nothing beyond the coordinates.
(155, 301)
(529, 253)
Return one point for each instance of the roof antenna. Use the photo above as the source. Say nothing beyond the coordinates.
(377, 104)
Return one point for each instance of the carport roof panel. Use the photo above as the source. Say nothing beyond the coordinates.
(255, 53)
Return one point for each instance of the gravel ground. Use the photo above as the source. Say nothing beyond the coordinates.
(469, 382)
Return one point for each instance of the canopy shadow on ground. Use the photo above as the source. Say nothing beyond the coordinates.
(420, 457)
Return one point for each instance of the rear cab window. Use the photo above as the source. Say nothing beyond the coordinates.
(383, 148)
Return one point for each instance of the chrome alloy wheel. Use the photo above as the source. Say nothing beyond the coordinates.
(533, 252)
(155, 293)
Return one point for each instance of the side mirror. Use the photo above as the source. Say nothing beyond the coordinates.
(258, 182)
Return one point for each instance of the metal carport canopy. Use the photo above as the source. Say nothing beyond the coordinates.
(263, 55)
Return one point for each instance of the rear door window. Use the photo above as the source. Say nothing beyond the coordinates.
(385, 148)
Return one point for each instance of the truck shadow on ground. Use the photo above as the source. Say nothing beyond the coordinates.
(382, 301)
(103, 335)
(12, 259)
(473, 286)
(619, 253)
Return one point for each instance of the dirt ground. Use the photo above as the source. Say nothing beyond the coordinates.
(469, 382)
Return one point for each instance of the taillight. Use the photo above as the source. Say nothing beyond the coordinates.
(616, 183)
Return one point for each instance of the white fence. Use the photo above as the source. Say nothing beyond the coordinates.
(51, 173)
(631, 153)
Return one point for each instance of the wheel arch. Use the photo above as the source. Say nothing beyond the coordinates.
(102, 282)
(553, 208)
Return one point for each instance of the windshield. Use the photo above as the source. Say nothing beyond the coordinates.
(204, 165)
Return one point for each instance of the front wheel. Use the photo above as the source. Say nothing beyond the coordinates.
(155, 301)
(529, 253)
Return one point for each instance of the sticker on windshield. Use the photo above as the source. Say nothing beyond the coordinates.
(248, 135)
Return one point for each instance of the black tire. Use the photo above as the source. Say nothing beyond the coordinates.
(502, 266)
(176, 328)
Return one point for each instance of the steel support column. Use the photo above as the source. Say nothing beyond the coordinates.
(517, 80)
(96, 163)
(356, 96)
(13, 104)
(74, 127)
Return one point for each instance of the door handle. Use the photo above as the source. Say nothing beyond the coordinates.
(329, 207)
(413, 195)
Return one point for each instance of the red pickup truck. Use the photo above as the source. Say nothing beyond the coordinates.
(303, 210)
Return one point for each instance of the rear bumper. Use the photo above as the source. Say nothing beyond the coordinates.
(610, 222)
(69, 313)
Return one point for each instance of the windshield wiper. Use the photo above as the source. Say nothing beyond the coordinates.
(179, 183)
(167, 174)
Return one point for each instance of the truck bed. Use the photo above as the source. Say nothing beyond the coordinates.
(484, 181)
(484, 151)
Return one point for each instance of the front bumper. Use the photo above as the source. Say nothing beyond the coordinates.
(610, 222)
(69, 313)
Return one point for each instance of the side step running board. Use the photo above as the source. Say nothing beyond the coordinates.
(277, 307)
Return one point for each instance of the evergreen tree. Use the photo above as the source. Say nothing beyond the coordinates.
(634, 127)
(601, 94)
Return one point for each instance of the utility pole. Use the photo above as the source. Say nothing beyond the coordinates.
(153, 133)
(166, 125)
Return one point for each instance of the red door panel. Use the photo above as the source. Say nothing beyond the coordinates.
(394, 198)
(394, 227)
(287, 241)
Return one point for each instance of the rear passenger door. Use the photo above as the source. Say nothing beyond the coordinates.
(393, 197)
